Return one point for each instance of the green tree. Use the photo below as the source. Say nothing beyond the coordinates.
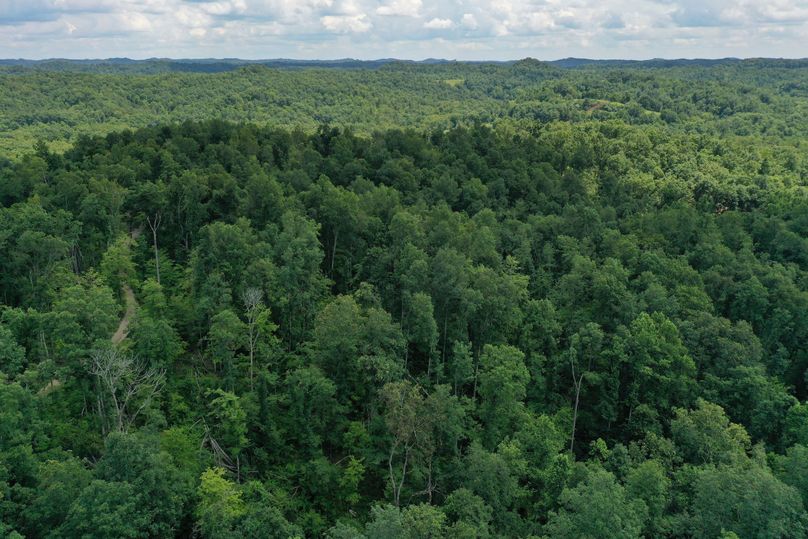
(221, 505)
(116, 265)
(105, 510)
(301, 285)
(597, 507)
(312, 408)
(60, 484)
(461, 365)
(661, 373)
(705, 435)
(420, 330)
(469, 515)
(792, 469)
(226, 339)
(228, 426)
(38, 244)
(494, 477)
(649, 483)
(746, 500)
(12, 355)
(411, 436)
(503, 386)
(160, 492)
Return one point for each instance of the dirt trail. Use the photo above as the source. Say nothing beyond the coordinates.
(131, 305)
(120, 333)
(131, 302)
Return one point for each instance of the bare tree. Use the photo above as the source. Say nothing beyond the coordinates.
(252, 302)
(126, 387)
(412, 431)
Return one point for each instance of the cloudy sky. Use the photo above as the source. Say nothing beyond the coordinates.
(415, 29)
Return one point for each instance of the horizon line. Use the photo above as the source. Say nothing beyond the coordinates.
(386, 59)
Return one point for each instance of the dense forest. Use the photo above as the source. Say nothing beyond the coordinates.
(418, 301)
(58, 102)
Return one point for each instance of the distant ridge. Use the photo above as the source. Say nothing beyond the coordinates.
(653, 62)
(215, 65)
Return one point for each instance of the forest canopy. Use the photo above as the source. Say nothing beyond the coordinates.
(452, 301)
(59, 101)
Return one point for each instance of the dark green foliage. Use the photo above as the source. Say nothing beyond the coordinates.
(582, 316)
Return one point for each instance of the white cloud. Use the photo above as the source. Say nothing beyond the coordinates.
(402, 8)
(439, 24)
(469, 21)
(346, 23)
(495, 29)
(224, 8)
(136, 22)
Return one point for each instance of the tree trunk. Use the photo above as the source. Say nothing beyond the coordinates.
(575, 409)
(334, 252)
(476, 355)
(252, 356)
(445, 323)
(155, 225)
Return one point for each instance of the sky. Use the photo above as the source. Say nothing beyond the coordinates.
(407, 29)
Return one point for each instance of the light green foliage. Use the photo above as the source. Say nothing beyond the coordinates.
(220, 506)
(301, 285)
(153, 336)
(263, 519)
(705, 435)
(421, 330)
(420, 521)
(386, 521)
(91, 305)
(37, 243)
(493, 478)
(155, 340)
(357, 347)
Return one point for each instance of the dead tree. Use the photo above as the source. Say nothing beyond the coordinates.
(252, 302)
(126, 387)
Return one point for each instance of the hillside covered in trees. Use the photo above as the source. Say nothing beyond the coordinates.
(58, 102)
(484, 301)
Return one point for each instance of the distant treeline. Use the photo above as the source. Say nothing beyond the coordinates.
(56, 101)
(218, 65)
